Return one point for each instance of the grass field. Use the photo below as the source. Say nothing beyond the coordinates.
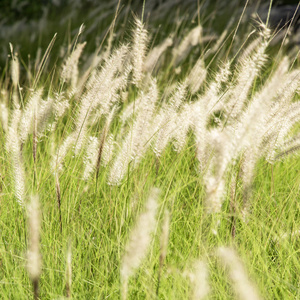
(150, 153)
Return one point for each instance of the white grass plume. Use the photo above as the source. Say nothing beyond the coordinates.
(70, 71)
(30, 112)
(138, 138)
(69, 270)
(166, 120)
(108, 150)
(44, 112)
(15, 76)
(13, 146)
(201, 111)
(141, 132)
(34, 260)
(197, 76)
(243, 287)
(58, 160)
(190, 40)
(262, 125)
(120, 164)
(181, 127)
(213, 100)
(199, 278)
(15, 67)
(15, 71)
(139, 46)
(102, 92)
(95, 149)
(155, 54)
(91, 156)
(215, 189)
(249, 69)
(224, 150)
(139, 241)
(4, 116)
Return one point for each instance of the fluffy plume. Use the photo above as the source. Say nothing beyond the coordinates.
(13, 146)
(249, 69)
(190, 40)
(138, 138)
(224, 151)
(139, 241)
(34, 256)
(102, 92)
(201, 111)
(69, 271)
(69, 72)
(95, 149)
(243, 287)
(30, 114)
(181, 127)
(58, 160)
(196, 76)
(199, 280)
(139, 46)
(154, 55)
(4, 116)
(15, 71)
(166, 121)
(91, 156)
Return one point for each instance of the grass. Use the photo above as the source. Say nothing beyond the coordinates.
(96, 219)
(98, 223)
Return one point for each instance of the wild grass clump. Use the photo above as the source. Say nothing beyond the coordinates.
(203, 125)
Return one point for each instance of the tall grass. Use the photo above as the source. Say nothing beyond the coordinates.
(209, 120)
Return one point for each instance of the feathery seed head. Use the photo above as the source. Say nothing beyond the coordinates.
(34, 256)
(139, 45)
(30, 114)
(140, 237)
(154, 55)
(199, 280)
(242, 285)
(191, 39)
(15, 70)
(69, 270)
(139, 241)
(70, 68)
(197, 76)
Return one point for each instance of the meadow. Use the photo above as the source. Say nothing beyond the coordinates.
(149, 152)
